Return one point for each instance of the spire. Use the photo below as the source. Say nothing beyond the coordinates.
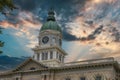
(51, 16)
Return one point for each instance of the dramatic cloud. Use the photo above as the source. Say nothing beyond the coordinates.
(91, 25)
(96, 25)
(25, 25)
(31, 14)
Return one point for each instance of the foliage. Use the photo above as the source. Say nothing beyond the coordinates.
(1, 43)
(5, 4)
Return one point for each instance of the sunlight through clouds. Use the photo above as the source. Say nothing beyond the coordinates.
(91, 28)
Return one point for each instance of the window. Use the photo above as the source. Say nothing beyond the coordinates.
(45, 77)
(33, 56)
(82, 78)
(60, 57)
(42, 56)
(54, 39)
(67, 79)
(57, 55)
(32, 68)
(17, 79)
(46, 56)
(98, 78)
(38, 56)
(51, 54)
(60, 42)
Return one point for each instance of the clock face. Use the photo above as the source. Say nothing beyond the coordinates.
(45, 39)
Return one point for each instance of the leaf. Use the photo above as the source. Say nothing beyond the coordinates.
(7, 3)
(1, 52)
(1, 44)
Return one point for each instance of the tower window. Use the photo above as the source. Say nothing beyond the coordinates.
(98, 78)
(82, 78)
(38, 56)
(46, 56)
(51, 55)
(56, 55)
(60, 42)
(60, 57)
(53, 40)
(42, 56)
(33, 56)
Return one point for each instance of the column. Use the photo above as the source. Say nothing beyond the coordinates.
(48, 55)
(54, 56)
(35, 56)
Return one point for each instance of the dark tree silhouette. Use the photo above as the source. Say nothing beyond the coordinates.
(8, 5)
(1, 43)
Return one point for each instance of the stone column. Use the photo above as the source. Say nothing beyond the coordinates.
(40, 57)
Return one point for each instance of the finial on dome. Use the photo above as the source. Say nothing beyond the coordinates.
(51, 14)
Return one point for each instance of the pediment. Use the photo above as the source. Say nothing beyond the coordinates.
(29, 64)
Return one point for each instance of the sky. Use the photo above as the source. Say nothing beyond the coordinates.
(91, 28)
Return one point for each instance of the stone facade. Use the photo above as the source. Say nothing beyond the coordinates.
(33, 70)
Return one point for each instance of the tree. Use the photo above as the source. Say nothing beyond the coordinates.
(1, 43)
(5, 4)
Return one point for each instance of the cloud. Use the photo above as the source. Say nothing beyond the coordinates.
(91, 25)
(26, 27)
(93, 35)
(85, 29)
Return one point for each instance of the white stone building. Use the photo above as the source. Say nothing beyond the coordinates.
(48, 61)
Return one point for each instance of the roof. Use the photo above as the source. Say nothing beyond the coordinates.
(51, 47)
(51, 23)
(26, 62)
(92, 66)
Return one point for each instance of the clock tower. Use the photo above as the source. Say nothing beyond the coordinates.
(49, 50)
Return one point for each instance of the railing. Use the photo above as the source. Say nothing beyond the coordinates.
(110, 59)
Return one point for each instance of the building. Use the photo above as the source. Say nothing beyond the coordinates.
(48, 61)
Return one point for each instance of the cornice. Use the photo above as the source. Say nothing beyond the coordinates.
(91, 66)
(48, 48)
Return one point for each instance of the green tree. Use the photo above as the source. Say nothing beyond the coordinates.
(5, 4)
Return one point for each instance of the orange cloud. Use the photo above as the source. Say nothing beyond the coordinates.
(6, 24)
(24, 27)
